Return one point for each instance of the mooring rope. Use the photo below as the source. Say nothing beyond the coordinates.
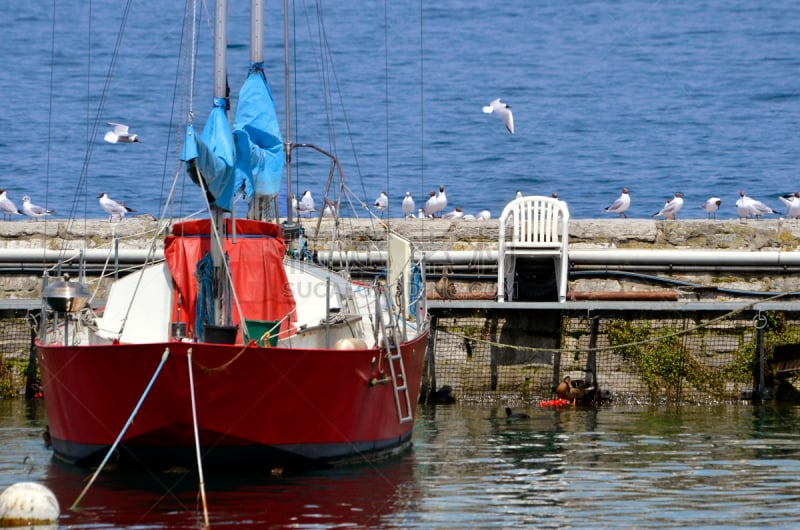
(113, 447)
(197, 440)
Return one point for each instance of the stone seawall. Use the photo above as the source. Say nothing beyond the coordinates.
(23, 280)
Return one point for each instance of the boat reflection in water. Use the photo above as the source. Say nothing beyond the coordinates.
(351, 497)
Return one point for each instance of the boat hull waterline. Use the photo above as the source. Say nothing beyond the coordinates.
(256, 406)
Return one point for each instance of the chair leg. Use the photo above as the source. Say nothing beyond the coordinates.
(510, 269)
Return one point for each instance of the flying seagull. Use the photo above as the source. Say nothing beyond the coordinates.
(503, 110)
(120, 133)
(112, 207)
(32, 210)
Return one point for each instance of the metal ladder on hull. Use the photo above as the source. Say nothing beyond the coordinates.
(397, 369)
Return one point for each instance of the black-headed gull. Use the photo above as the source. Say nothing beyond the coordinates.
(382, 202)
(441, 201)
(711, 206)
(112, 207)
(503, 110)
(120, 134)
(458, 213)
(408, 205)
(746, 207)
(329, 212)
(671, 207)
(483, 215)
(792, 202)
(622, 203)
(306, 203)
(8, 207)
(32, 210)
(430, 204)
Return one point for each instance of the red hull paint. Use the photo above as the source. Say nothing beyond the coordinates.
(281, 406)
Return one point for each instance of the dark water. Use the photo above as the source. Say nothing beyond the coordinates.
(618, 467)
(698, 97)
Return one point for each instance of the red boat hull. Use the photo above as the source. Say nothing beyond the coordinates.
(255, 406)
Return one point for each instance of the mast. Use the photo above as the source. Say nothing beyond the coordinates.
(220, 100)
(287, 141)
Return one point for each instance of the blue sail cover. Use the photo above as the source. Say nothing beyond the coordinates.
(259, 144)
(216, 159)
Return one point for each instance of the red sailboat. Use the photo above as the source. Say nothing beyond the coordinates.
(230, 348)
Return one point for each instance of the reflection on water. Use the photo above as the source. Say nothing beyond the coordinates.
(471, 467)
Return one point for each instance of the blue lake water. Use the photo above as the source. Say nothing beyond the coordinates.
(697, 97)
(733, 466)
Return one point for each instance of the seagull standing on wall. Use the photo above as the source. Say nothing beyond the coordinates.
(441, 201)
(112, 207)
(306, 204)
(382, 202)
(503, 110)
(8, 207)
(408, 205)
(711, 206)
(746, 207)
(120, 134)
(32, 210)
(622, 203)
(792, 203)
(671, 207)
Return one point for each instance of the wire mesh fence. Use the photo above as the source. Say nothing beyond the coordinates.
(16, 341)
(628, 356)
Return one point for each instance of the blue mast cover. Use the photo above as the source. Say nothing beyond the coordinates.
(259, 144)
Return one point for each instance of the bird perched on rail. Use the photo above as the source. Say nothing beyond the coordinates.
(32, 210)
(112, 207)
(120, 134)
(8, 207)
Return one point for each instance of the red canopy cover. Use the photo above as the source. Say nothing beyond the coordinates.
(256, 263)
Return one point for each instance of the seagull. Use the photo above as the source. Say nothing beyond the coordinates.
(408, 205)
(441, 201)
(792, 202)
(746, 207)
(306, 204)
(458, 213)
(112, 207)
(382, 202)
(518, 195)
(483, 215)
(31, 210)
(711, 206)
(503, 110)
(330, 209)
(8, 207)
(431, 204)
(671, 207)
(622, 203)
(120, 133)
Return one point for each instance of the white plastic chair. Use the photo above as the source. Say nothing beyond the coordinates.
(538, 228)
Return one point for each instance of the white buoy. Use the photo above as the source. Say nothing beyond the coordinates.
(28, 503)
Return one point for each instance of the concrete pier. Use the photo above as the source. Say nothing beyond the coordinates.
(464, 249)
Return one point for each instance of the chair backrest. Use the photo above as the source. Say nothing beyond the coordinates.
(536, 222)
